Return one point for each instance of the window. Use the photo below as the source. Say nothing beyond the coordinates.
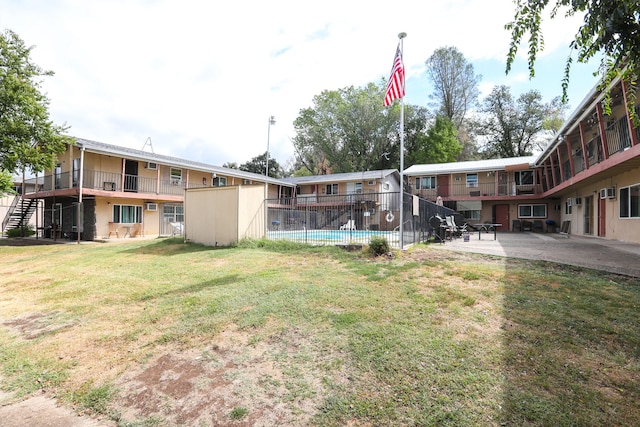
(358, 187)
(472, 180)
(332, 188)
(630, 202)
(58, 176)
(532, 211)
(220, 181)
(426, 183)
(127, 214)
(568, 207)
(76, 172)
(173, 213)
(176, 176)
(524, 178)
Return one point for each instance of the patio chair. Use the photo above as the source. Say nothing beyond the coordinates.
(537, 225)
(517, 225)
(176, 228)
(455, 231)
(350, 225)
(113, 229)
(138, 230)
(459, 228)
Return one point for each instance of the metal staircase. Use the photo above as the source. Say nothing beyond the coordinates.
(19, 213)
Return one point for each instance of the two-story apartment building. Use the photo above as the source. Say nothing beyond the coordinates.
(119, 191)
(366, 198)
(586, 182)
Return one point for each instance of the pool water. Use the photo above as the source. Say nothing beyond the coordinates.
(330, 236)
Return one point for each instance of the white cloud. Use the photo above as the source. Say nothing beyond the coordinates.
(201, 80)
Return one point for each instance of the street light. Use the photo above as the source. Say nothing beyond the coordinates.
(272, 121)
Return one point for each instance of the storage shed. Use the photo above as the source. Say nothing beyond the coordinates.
(221, 216)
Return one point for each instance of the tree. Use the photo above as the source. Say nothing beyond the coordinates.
(611, 28)
(258, 165)
(455, 83)
(28, 138)
(439, 145)
(350, 130)
(231, 165)
(455, 92)
(512, 127)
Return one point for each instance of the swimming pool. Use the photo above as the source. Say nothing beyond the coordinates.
(332, 237)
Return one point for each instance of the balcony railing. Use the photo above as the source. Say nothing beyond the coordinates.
(490, 189)
(110, 181)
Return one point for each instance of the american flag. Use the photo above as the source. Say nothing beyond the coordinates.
(395, 87)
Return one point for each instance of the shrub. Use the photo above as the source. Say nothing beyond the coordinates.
(379, 246)
(18, 232)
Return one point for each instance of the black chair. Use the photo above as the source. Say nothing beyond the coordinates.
(517, 225)
(537, 225)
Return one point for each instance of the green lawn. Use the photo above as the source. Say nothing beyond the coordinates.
(280, 334)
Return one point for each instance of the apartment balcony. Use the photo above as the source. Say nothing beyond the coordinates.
(108, 184)
(479, 191)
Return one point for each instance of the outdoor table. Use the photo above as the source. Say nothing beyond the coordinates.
(487, 228)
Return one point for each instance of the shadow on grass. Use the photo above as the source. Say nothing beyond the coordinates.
(229, 279)
(171, 246)
(571, 347)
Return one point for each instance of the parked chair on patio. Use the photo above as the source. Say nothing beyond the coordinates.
(176, 228)
(537, 225)
(113, 229)
(517, 225)
(138, 230)
(350, 225)
(460, 228)
(526, 225)
(455, 231)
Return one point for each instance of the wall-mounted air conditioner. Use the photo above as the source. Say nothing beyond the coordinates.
(153, 166)
(151, 206)
(577, 201)
(611, 192)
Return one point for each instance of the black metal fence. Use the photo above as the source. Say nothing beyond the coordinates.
(352, 219)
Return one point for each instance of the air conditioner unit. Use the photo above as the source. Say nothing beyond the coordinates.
(151, 206)
(175, 181)
(578, 201)
(109, 186)
(152, 166)
(611, 192)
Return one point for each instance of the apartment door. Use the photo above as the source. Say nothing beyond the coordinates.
(502, 216)
(443, 185)
(503, 183)
(602, 218)
(587, 217)
(131, 176)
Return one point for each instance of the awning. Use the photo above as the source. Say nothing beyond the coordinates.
(518, 167)
(469, 205)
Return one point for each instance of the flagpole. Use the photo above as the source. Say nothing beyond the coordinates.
(401, 36)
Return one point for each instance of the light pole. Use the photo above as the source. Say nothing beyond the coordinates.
(272, 121)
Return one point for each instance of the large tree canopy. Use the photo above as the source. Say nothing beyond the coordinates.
(28, 138)
(349, 130)
(455, 83)
(259, 164)
(455, 92)
(611, 28)
(439, 145)
(512, 127)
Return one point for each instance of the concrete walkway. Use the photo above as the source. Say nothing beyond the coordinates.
(600, 254)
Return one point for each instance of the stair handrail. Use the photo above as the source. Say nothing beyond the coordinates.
(12, 208)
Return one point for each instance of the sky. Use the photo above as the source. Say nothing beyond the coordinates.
(200, 79)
